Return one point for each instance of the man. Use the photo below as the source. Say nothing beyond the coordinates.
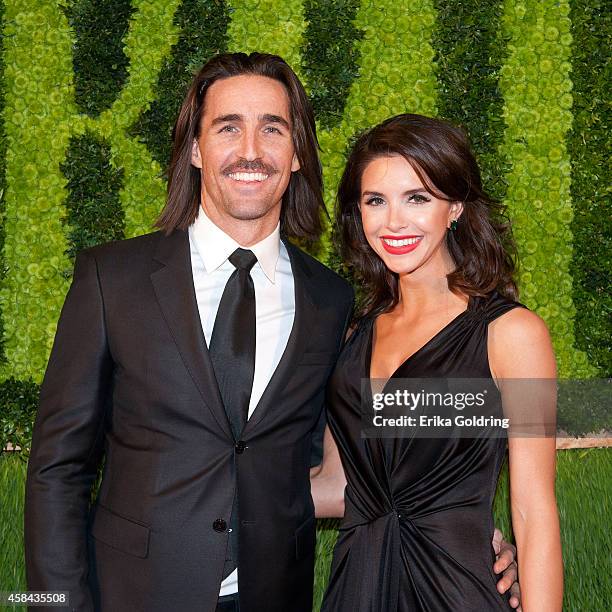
(194, 360)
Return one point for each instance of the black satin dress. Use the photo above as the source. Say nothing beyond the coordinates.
(417, 530)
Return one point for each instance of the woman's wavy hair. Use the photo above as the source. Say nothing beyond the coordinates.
(303, 203)
(482, 246)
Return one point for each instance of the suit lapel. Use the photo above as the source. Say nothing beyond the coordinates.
(174, 290)
(304, 320)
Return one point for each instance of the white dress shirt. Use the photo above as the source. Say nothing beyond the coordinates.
(272, 278)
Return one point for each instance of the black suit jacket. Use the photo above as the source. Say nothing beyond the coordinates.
(130, 379)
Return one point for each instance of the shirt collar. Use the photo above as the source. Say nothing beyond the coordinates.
(215, 246)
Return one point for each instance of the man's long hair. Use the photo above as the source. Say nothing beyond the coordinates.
(302, 203)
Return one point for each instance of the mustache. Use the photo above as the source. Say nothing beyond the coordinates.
(244, 165)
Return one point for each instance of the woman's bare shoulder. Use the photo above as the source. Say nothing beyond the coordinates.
(520, 345)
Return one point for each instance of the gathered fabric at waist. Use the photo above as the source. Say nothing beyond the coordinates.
(361, 511)
(396, 554)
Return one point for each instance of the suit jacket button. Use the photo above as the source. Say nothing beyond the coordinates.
(240, 446)
(219, 525)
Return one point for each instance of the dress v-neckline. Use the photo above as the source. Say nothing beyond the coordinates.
(436, 336)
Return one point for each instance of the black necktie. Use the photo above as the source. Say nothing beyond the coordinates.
(232, 352)
(232, 344)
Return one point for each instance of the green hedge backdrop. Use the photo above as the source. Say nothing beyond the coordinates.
(89, 92)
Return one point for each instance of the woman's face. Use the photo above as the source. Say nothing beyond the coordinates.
(404, 224)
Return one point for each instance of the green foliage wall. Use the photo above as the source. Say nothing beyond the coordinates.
(90, 91)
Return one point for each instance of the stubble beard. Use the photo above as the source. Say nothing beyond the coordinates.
(243, 211)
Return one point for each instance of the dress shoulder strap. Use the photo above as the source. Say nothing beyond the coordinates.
(496, 305)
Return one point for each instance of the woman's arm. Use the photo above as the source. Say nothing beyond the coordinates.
(327, 481)
(520, 348)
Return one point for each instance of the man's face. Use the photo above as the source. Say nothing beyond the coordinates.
(245, 152)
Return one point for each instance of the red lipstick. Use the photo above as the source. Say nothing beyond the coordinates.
(400, 250)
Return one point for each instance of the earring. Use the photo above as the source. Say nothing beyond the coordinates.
(453, 225)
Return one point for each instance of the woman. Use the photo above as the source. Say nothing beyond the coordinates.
(439, 304)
